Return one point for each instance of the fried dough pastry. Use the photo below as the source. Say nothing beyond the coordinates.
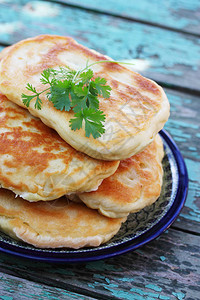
(136, 183)
(54, 224)
(37, 164)
(135, 112)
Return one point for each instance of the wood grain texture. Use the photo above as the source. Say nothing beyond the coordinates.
(166, 268)
(184, 125)
(17, 288)
(181, 15)
(161, 54)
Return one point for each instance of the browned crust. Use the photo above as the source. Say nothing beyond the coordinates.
(28, 147)
(136, 110)
(53, 224)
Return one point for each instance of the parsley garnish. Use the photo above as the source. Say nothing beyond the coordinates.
(77, 90)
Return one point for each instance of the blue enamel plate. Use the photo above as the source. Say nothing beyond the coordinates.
(139, 229)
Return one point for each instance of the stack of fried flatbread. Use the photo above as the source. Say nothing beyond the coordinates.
(60, 188)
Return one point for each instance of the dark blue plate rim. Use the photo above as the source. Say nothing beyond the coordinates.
(130, 245)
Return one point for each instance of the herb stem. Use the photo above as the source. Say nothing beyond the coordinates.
(38, 94)
(76, 90)
(105, 61)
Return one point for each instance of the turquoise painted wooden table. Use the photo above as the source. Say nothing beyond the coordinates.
(163, 38)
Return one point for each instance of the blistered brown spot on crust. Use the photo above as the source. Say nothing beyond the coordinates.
(21, 143)
(29, 148)
(147, 85)
(48, 60)
(139, 174)
(136, 110)
(69, 224)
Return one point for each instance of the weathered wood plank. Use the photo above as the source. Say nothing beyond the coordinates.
(162, 55)
(184, 125)
(12, 287)
(167, 268)
(180, 15)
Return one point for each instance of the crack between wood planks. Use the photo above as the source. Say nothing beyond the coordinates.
(185, 230)
(116, 15)
(178, 88)
(3, 44)
(57, 284)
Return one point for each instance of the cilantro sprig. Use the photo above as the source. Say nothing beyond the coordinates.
(77, 90)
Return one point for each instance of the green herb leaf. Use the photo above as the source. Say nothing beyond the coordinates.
(102, 89)
(93, 122)
(93, 101)
(45, 79)
(31, 88)
(59, 95)
(63, 73)
(79, 105)
(76, 123)
(86, 76)
(26, 99)
(38, 103)
(77, 90)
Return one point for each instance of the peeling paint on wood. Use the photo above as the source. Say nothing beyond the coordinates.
(16, 288)
(184, 125)
(136, 275)
(168, 267)
(182, 15)
(169, 54)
